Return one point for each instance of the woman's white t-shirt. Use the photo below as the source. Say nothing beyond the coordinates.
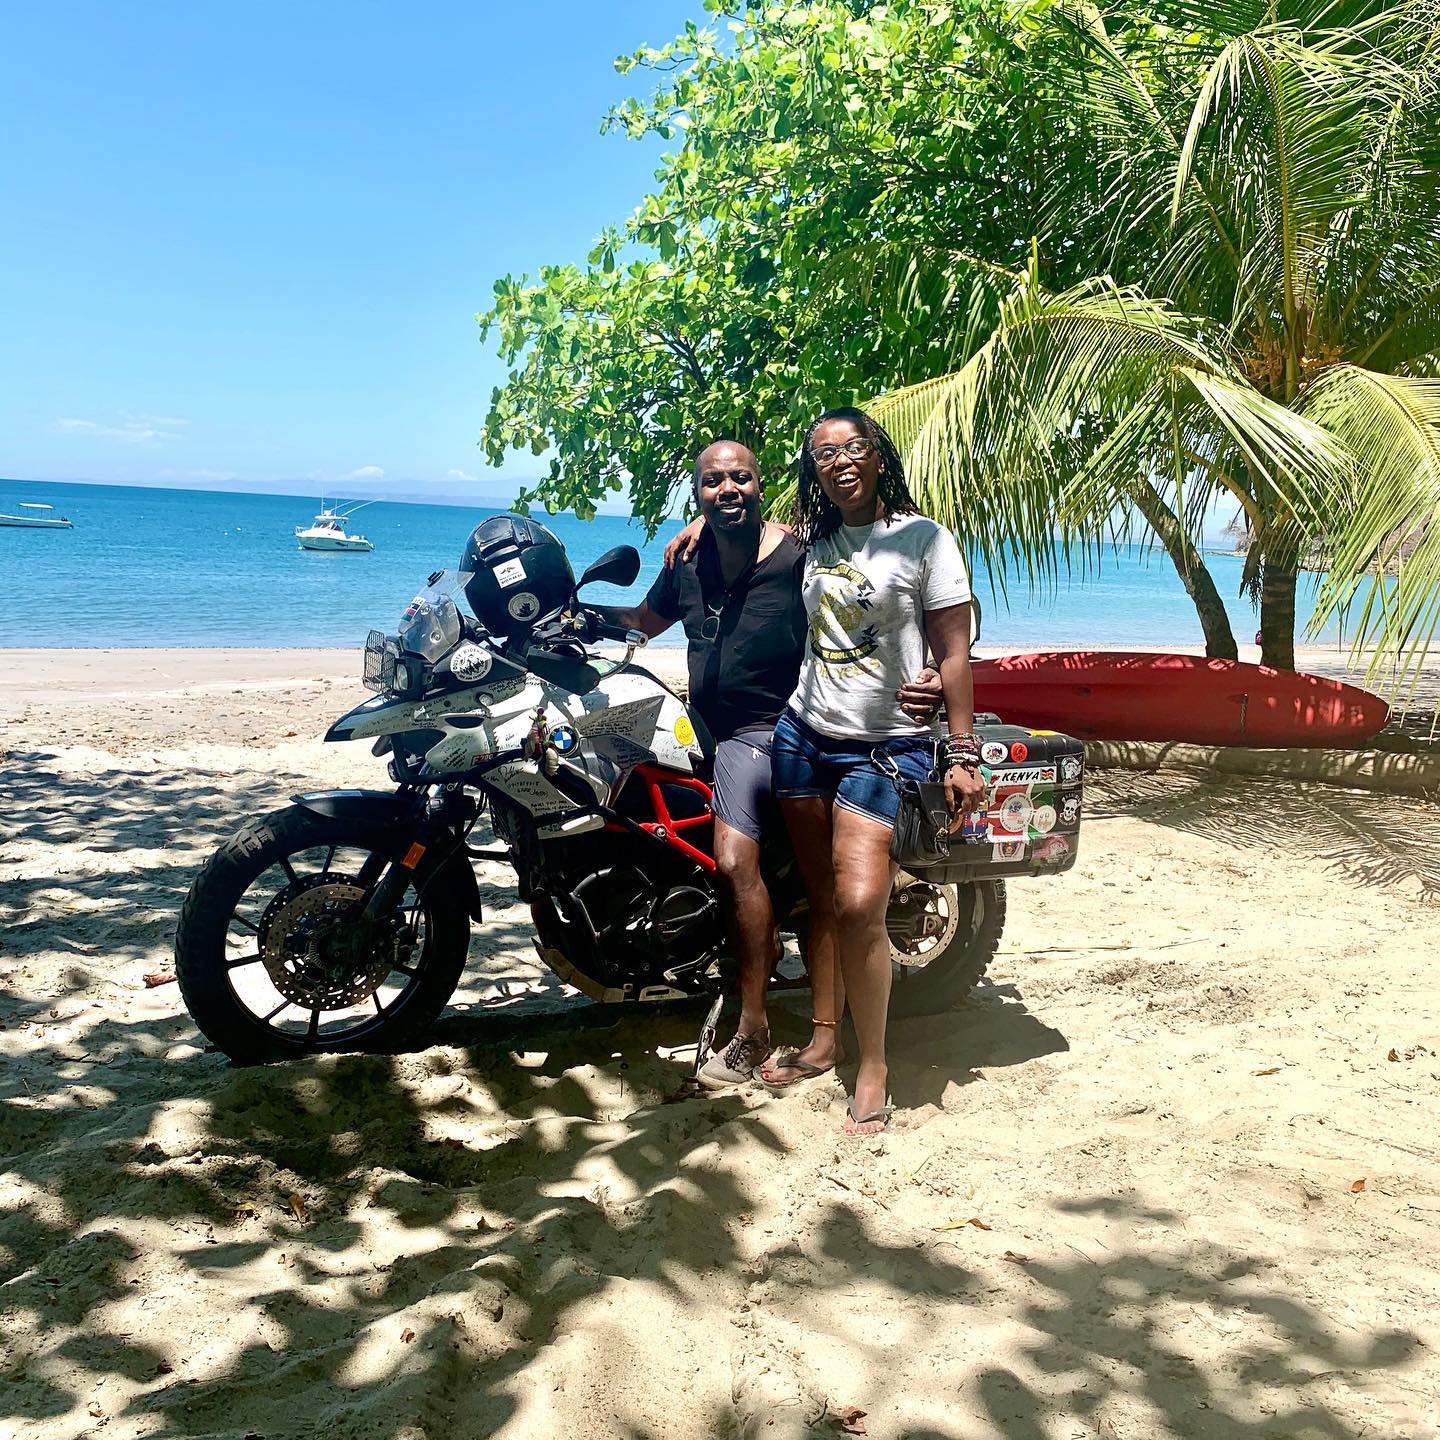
(867, 589)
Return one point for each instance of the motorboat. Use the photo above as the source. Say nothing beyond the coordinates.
(38, 519)
(327, 531)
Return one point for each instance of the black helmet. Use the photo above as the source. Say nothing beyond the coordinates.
(520, 574)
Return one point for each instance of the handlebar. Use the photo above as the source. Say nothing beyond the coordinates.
(587, 626)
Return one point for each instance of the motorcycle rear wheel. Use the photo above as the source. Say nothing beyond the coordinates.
(221, 949)
(936, 971)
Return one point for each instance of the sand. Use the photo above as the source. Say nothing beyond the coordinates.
(1172, 1172)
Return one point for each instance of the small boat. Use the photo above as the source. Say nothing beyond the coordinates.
(327, 531)
(38, 521)
(1133, 695)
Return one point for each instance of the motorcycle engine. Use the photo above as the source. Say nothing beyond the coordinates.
(636, 932)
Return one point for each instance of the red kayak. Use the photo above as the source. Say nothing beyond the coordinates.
(1129, 695)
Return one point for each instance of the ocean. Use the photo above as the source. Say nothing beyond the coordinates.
(151, 567)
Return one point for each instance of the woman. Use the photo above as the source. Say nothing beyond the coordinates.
(881, 583)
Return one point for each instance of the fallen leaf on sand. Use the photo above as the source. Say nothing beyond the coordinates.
(974, 1220)
(406, 1335)
(1357, 1187)
(158, 977)
(245, 1209)
(1015, 1258)
(1393, 1055)
(1268, 1070)
(298, 1208)
(94, 1408)
(850, 1420)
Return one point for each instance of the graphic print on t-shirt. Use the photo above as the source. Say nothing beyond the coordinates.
(841, 628)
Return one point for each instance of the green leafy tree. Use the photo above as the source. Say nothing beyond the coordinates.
(1156, 257)
(1262, 325)
(798, 135)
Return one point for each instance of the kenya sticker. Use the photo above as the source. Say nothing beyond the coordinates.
(992, 752)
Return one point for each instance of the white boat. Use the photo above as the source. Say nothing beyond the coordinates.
(327, 531)
(38, 521)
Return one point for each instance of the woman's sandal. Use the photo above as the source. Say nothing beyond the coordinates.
(883, 1115)
(789, 1059)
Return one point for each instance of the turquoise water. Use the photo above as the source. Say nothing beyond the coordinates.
(197, 567)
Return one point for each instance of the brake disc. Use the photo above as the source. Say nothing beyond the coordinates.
(300, 966)
(921, 921)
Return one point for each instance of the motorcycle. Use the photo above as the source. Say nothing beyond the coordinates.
(342, 922)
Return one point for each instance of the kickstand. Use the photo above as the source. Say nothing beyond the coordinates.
(707, 1034)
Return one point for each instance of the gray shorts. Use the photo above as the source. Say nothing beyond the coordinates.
(744, 796)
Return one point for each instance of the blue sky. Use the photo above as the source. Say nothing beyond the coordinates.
(242, 247)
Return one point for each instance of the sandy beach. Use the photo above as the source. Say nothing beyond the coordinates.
(1172, 1171)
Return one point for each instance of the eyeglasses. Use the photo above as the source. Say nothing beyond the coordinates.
(856, 449)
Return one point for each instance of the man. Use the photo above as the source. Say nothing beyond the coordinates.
(738, 596)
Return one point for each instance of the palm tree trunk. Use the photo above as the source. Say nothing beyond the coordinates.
(1277, 614)
(1198, 583)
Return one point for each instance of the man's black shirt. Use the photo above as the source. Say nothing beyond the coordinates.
(742, 678)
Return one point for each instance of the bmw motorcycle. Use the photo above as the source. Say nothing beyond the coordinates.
(342, 922)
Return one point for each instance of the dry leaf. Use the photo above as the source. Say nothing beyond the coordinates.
(1015, 1258)
(1357, 1187)
(1393, 1055)
(298, 1208)
(406, 1335)
(1269, 1070)
(245, 1209)
(974, 1220)
(94, 1408)
(158, 977)
(850, 1420)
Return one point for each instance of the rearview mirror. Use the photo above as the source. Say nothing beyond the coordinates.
(619, 566)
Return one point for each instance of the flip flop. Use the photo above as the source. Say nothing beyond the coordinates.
(791, 1061)
(883, 1114)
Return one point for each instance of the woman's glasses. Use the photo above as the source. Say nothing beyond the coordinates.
(856, 449)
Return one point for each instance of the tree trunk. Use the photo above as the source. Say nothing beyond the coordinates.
(1277, 614)
(1219, 637)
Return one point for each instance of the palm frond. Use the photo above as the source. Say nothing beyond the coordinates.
(1391, 425)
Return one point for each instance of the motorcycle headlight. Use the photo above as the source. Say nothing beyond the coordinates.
(390, 671)
(381, 653)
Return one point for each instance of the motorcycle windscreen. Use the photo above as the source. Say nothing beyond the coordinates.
(431, 626)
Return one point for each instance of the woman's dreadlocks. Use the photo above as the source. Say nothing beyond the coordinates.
(816, 514)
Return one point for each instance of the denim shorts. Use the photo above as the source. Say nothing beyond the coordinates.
(805, 762)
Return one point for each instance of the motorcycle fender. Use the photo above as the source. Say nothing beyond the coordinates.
(384, 807)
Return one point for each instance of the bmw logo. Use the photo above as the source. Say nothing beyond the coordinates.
(564, 738)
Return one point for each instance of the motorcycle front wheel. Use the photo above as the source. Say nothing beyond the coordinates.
(254, 954)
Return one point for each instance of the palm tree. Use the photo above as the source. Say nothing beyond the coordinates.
(1264, 324)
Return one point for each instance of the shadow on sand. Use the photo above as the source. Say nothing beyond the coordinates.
(488, 1233)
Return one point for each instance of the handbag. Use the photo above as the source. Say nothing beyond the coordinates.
(922, 818)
